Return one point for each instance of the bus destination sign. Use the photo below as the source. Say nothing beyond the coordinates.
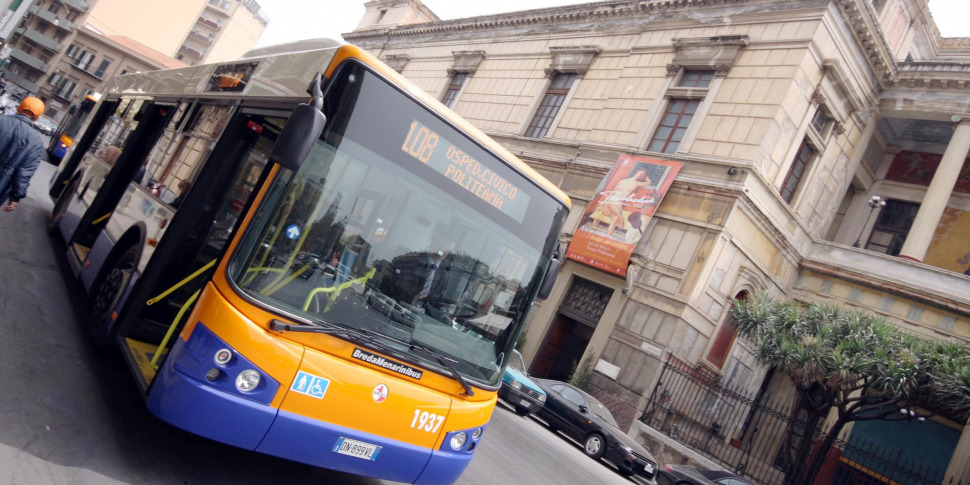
(231, 77)
(445, 158)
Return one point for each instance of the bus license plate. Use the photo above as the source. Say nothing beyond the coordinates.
(358, 449)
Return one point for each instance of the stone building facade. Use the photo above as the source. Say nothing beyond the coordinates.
(787, 117)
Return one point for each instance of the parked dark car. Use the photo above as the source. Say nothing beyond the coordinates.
(690, 475)
(518, 389)
(44, 126)
(583, 418)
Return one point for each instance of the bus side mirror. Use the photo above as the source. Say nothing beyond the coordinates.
(552, 271)
(302, 130)
(300, 133)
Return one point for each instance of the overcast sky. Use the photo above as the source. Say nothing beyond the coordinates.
(306, 19)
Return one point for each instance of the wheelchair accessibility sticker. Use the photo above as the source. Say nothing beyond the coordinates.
(311, 385)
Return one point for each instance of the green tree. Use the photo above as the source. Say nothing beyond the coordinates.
(581, 375)
(854, 362)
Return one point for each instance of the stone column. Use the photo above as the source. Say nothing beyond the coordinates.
(959, 471)
(938, 194)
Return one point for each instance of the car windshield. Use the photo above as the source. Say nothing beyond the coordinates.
(418, 238)
(598, 409)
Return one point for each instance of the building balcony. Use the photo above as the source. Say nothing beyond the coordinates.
(212, 24)
(195, 51)
(45, 15)
(200, 38)
(40, 39)
(13, 78)
(77, 5)
(219, 10)
(29, 60)
(910, 280)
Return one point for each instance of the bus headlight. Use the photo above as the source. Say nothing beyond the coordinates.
(516, 385)
(462, 441)
(542, 398)
(247, 380)
(458, 440)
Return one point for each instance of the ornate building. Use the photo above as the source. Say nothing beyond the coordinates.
(783, 120)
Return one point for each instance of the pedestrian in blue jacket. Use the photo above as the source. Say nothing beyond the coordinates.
(21, 149)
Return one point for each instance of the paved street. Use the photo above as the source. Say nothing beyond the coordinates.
(70, 416)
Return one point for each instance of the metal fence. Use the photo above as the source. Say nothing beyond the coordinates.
(761, 438)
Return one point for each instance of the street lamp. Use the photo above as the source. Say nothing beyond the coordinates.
(875, 202)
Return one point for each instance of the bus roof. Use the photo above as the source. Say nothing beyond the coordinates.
(278, 74)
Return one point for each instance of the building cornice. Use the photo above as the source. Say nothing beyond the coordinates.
(858, 14)
(555, 15)
(862, 21)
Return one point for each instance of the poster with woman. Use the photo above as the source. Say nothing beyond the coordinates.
(616, 218)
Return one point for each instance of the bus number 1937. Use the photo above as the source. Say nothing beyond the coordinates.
(426, 421)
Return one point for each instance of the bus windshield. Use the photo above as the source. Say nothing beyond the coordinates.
(400, 227)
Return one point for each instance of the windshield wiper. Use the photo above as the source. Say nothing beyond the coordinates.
(443, 361)
(329, 329)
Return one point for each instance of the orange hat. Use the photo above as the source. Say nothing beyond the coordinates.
(32, 107)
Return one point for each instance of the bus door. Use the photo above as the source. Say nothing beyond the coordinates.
(67, 131)
(62, 177)
(103, 176)
(184, 260)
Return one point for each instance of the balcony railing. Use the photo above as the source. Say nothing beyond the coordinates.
(192, 50)
(28, 59)
(40, 39)
(79, 5)
(209, 23)
(917, 281)
(934, 66)
(12, 77)
(61, 22)
(200, 38)
(216, 9)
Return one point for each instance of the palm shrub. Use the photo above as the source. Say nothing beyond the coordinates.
(854, 362)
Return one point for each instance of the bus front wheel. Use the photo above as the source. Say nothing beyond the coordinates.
(112, 283)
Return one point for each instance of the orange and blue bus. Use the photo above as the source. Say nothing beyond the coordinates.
(68, 128)
(339, 281)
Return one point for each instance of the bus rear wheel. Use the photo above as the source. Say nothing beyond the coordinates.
(107, 294)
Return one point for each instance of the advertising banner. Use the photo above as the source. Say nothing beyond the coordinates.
(616, 218)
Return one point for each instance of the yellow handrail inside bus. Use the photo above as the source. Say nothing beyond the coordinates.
(341, 287)
(98, 220)
(273, 288)
(261, 269)
(178, 285)
(171, 328)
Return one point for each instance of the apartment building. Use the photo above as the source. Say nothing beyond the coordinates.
(192, 31)
(63, 49)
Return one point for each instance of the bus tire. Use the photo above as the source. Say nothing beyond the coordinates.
(63, 200)
(107, 294)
